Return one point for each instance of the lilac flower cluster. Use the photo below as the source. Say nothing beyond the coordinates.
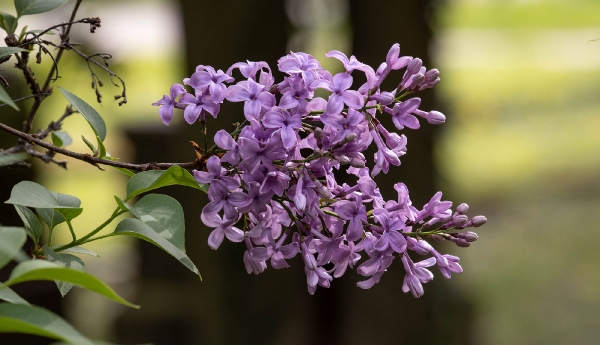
(272, 184)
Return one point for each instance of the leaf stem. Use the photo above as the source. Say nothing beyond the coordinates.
(71, 230)
(85, 238)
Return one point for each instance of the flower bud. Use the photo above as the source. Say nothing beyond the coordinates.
(436, 118)
(357, 163)
(384, 98)
(436, 238)
(324, 192)
(349, 137)
(461, 242)
(478, 221)
(422, 247)
(342, 159)
(417, 80)
(462, 208)
(432, 75)
(470, 236)
(318, 135)
(460, 220)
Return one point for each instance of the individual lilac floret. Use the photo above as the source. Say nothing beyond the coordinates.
(402, 113)
(249, 68)
(211, 81)
(288, 123)
(224, 227)
(195, 105)
(314, 274)
(356, 213)
(295, 96)
(300, 64)
(225, 141)
(215, 172)
(352, 64)
(390, 235)
(220, 198)
(276, 251)
(254, 96)
(167, 103)
(253, 154)
(416, 274)
(341, 95)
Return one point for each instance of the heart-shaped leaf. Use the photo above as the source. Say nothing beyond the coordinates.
(8, 22)
(89, 113)
(65, 260)
(60, 138)
(31, 194)
(33, 227)
(46, 270)
(9, 50)
(5, 98)
(68, 208)
(19, 318)
(137, 228)
(163, 214)
(11, 241)
(80, 250)
(8, 295)
(15, 157)
(149, 180)
(25, 7)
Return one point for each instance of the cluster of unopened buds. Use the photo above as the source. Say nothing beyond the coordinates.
(272, 182)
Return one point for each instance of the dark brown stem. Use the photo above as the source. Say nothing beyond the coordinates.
(56, 125)
(33, 140)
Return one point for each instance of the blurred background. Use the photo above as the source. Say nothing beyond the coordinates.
(520, 86)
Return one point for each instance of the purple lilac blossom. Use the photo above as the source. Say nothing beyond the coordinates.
(273, 180)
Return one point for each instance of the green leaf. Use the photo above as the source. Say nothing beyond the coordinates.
(149, 180)
(33, 227)
(12, 239)
(53, 217)
(8, 22)
(19, 318)
(5, 98)
(60, 138)
(25, 7)
(8, 295)
(163, 214)
(10, 50)
(31, 194)
(89, 113)
(137, 228)
(65, 260)
(91, 147)
(101, 148)
(45, 270)
(10, 159)
(79, 250)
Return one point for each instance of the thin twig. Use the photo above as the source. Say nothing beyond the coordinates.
(89, 59)
(95, 161)
(46, 87)
(24, 98)
(56, 125)
(46, 158)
